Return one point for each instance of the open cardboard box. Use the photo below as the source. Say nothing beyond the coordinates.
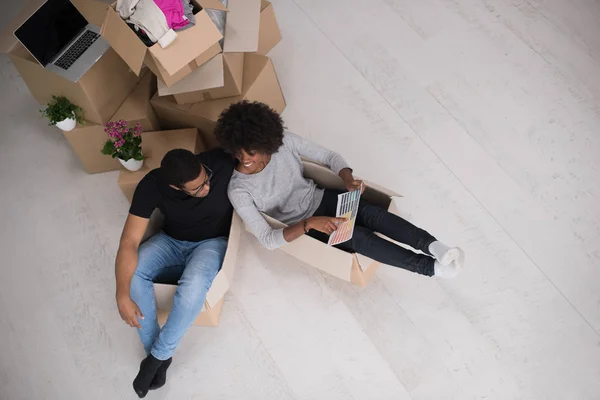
(100, 92)
(259, 84)
(192, 47)
(154, 147)
(351, 267)
(222, 75)
(87, 140)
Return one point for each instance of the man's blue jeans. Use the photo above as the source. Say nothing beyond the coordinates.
(194, 266)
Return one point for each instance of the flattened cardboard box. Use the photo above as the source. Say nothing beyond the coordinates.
(259, 84)
(191, 48)
(87, 140)
(154, 147)
(351, 267)
(220, 77)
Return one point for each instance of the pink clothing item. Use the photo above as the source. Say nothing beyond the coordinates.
(173, 10)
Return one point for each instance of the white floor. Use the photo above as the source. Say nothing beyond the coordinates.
(484, 114)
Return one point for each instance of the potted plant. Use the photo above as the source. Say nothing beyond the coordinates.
(62, 113)
(125, 144)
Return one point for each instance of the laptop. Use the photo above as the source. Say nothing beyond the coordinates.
(61, 40)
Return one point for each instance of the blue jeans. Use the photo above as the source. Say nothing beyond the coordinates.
(193, 265)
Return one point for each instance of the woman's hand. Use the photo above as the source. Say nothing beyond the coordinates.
(351, 183)
(326, 225)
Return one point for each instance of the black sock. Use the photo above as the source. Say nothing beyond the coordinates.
(161, 375)
(148, 369)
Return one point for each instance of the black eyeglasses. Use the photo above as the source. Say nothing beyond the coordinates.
(209, 175)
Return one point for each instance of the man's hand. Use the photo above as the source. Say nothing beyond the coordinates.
(129, 311)
(324, 224)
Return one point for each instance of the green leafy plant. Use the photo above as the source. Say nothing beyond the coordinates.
(60, 108)
(123, 142)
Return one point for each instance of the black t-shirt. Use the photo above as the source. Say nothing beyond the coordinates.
(189, 218)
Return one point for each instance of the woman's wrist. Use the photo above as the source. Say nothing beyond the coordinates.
(346, 174)
(306, 226)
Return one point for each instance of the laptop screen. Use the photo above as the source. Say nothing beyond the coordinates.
(53, 26)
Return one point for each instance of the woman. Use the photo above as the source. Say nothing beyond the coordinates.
(269, 178)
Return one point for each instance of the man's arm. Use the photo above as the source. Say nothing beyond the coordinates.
(125, 265)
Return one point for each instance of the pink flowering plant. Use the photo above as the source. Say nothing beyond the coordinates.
(123, 142)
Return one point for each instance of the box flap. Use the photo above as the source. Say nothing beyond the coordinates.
(265, 87)
(254, 65)
(189, 44)
(136, 104)
(7, 37)
(269, 34)
(93, 11)
(235, 64)
(242, 26)
(123, 40)
(209, 75)
(212, 5)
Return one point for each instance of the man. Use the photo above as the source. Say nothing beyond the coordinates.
(191, 192)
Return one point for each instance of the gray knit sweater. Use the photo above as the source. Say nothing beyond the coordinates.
(280, 190)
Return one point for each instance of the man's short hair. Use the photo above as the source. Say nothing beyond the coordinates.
(180, 166)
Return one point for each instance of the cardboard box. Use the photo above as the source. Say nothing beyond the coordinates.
(211, 310)
(220, 77)
(269, 34)
(99, 92)
(190, 49)
(154, 147)
(259, 84)
(87, 140)
(351, 267)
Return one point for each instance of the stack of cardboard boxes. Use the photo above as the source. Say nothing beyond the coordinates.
(181, 89)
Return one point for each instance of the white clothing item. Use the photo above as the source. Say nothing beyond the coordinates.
(146, 15)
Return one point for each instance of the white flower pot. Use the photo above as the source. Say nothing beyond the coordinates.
(132, 164)
(66, 124)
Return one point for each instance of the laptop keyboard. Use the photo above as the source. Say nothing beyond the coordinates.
(76, 50)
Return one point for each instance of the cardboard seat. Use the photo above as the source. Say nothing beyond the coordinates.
(351, 267)
(259, 84)
(213, 304)
(87, 140)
